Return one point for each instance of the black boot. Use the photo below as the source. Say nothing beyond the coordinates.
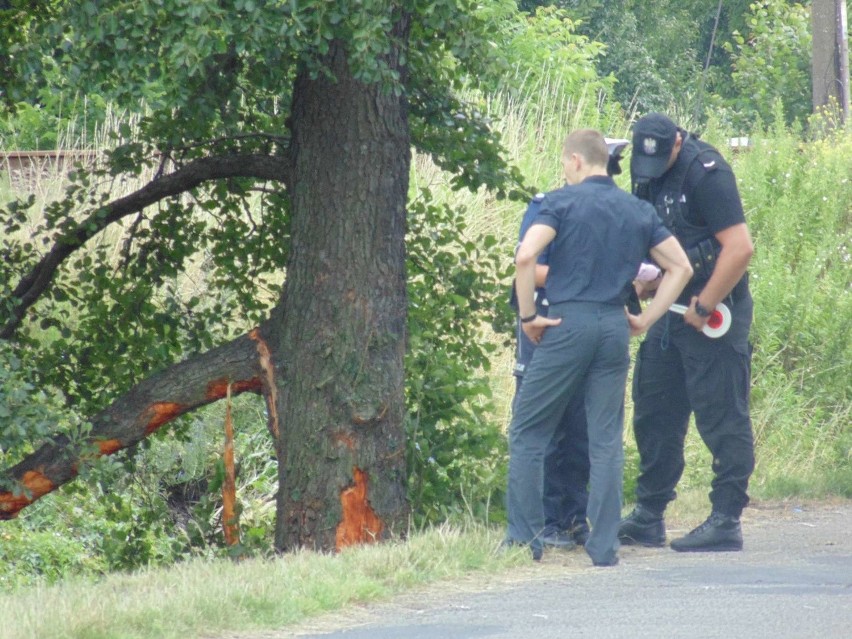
(580, 533)
(643, 527)
(719, 533)
(552, 538)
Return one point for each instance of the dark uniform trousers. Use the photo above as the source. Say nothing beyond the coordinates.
(566, 470)
(566, 467)
(587, 353)
(679, 371)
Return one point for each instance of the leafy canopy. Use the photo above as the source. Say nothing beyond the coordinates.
(772, 62)
(216, 79)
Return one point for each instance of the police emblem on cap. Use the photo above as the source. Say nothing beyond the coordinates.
(649, 146)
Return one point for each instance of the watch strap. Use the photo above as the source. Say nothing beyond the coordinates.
(701, 310)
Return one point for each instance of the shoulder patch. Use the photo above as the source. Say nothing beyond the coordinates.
(710, 159)
(538, 197)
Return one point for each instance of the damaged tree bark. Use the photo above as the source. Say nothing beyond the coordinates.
(139, 413)
(330, 358)
(340, 346)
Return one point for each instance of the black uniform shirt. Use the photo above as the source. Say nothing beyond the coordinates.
(602, 236)
(715, 201)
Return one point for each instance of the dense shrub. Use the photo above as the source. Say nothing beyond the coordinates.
(797, 196)
(457, 279)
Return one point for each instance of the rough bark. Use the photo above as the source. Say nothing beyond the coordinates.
(140, 412)
(340, 342)
(830, 57)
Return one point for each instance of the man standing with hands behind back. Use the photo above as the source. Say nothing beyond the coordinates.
(566, 463)
(679, 370)
(598, 236)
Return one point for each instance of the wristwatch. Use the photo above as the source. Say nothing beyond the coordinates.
(701, 311)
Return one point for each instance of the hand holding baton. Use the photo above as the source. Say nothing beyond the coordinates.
(717, 324)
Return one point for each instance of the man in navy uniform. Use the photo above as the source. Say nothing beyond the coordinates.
(599, 236)
(566, 464)
(679, 370)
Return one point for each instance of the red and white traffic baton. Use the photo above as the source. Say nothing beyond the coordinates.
(717, 324)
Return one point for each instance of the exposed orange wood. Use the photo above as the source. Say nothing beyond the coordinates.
(218, 388)
(162, 413)
(271, 390)
(360, 524)
(109, 446)
(230, 522)
(35, 483)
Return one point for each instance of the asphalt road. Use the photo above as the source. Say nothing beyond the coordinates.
(793, 580)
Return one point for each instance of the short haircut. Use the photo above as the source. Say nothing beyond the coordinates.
(589, 144)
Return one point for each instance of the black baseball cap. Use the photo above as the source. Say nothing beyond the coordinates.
(654, 138)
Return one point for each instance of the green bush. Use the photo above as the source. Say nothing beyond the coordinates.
(44, 556)
(456, 455)
(545, 48)
(47, 116)
(29, 410)
(796, 194)
(797, 198)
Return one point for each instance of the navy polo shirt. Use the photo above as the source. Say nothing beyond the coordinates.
(602, 236)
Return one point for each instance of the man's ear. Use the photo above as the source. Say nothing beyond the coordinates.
(578, 161)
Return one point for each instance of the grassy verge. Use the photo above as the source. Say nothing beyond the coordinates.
(210, 598)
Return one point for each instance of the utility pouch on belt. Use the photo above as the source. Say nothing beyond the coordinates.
(703, 258)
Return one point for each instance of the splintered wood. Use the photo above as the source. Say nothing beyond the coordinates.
(360, 524)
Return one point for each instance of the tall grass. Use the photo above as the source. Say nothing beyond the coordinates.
(798, 197)
(72, 134)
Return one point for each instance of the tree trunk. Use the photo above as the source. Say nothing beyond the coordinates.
(830, 57)
(341, 338)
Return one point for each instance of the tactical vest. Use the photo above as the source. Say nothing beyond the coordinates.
(670, 196)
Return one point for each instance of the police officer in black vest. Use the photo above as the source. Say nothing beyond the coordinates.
(680, 371)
